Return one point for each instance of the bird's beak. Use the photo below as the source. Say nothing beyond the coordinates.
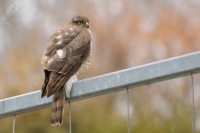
(86, 25)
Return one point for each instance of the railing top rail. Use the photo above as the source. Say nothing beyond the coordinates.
(108, 83)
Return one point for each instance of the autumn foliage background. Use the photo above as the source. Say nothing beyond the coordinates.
(126, 33)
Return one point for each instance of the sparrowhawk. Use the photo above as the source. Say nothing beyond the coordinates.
(67, 50)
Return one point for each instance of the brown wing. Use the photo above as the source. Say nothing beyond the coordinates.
(59, 40)
(64, 59)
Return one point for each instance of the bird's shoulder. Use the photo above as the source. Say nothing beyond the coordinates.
(65, 46)
(64, 35)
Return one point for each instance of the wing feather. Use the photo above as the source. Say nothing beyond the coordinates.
(76, 48)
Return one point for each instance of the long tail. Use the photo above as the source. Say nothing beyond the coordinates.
(58, 107)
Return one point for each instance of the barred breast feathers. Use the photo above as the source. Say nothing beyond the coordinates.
(87, 62)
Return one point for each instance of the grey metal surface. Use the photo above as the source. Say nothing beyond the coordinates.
(108, 83)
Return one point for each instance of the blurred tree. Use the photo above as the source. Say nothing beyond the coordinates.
(127, 33)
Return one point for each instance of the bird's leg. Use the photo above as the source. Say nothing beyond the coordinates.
(69, 83)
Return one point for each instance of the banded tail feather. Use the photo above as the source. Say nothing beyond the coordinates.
(58, 107)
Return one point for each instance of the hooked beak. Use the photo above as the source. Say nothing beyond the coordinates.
(86, 25)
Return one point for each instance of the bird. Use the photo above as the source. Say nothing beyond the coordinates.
(67, 50)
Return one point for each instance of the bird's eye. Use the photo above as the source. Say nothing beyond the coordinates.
(80, 22)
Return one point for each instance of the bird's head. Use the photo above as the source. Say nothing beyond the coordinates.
(80, 20)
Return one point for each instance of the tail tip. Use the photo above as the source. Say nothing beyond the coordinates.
(53, 123)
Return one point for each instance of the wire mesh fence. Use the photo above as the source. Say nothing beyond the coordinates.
(126, 79)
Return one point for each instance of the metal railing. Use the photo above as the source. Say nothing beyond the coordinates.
(120, 80)
(108, 83)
